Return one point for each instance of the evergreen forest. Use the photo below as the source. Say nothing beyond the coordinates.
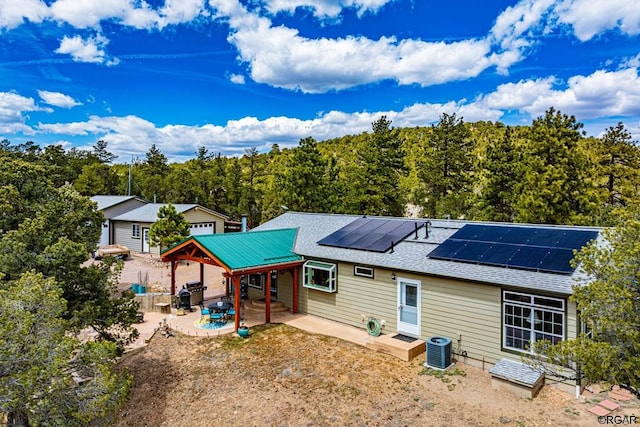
(546, 172)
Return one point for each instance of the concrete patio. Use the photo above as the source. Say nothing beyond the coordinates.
(188, 324)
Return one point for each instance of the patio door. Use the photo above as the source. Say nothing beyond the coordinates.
(409, 306)
(145, 241)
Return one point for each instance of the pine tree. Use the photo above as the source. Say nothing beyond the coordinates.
(303, 182)
(608, 300)
(557, 185)
(170, 228)
(502, 171)
(619, 162)
(375, 181)
(446, 168)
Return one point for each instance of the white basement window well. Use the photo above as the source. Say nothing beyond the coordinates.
(320, 276)
(529, 318)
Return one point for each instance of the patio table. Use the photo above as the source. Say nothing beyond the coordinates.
(219, 306)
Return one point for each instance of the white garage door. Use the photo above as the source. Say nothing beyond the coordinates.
(199, 229)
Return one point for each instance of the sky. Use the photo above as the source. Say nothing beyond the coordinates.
(230, 75)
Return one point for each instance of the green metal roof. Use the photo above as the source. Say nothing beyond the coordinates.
(239, 251)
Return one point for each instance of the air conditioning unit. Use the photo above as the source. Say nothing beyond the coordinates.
(438, 352)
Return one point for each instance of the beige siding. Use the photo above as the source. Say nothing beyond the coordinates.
(470, 314)
(122, 235)
(200, 216)
(285, 288)
(356, 297)
(572, 321)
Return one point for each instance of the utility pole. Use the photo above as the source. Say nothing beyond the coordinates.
(129, 180)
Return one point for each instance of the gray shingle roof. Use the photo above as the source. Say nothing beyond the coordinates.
(105, 202)
(149, 212)
(411, 254)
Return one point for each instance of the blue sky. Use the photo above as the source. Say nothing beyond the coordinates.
(230, 74)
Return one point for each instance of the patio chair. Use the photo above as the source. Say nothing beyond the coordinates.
(204, 312)
(216, 317)
(231, 313)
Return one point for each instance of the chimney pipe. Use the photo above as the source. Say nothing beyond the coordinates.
(243, 223)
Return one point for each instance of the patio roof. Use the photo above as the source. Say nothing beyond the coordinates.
(239, 252)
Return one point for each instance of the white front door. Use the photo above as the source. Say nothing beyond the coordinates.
(104, 236)
(409, 306)
(145, 240)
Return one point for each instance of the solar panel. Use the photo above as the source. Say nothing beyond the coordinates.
(371, 234)
(530, 248)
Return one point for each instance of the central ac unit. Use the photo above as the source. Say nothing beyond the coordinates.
(438, 352)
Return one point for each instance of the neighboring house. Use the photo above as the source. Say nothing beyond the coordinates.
(112, 206)
(131, 228)
(492, 288)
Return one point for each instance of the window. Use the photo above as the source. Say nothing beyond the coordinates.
(531, 318)
(320, 276)
(256, 281)
(135, 231)
(359, 270)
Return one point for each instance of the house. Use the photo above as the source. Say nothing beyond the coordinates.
(112, 206)
(491, 288)
(131, 228)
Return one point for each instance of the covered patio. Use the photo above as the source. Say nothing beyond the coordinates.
(241, 254)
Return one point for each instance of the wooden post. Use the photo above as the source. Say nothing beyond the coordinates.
(202, 274)
(294, 275)
(267, 299)
(236, 300)
(173, 277)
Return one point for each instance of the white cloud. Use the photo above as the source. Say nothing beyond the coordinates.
(13, 106)
(179, 11)
(590, 98)
(280, 57)
(90, 14)
(518, 21)
(89, 50)
(58, 99)
(13, 13)
(325, 8)
(589, 18)
(131, 136)
(84, 14)
(600, 94)
(518, 96)
(237, 79)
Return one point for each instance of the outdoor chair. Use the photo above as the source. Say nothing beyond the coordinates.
(231, 313)
(204, 312)
(216, 317)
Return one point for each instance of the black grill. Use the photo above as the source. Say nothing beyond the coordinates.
(184, 299)
(196, 290)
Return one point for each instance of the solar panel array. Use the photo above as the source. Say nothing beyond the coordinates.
(530, 248)
(371, 234)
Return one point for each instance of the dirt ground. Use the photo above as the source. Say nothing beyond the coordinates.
(282, 376)
(156, 276)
